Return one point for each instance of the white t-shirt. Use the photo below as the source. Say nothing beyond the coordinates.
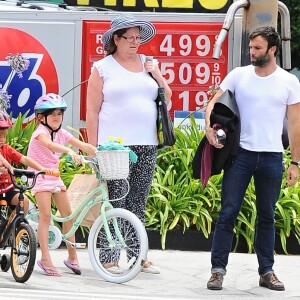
(128, 110)
(262, 103)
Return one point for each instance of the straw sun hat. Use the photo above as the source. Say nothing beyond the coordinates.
(126, 20)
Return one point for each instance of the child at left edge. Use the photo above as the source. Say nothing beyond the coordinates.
(9, 155)
(46, 146)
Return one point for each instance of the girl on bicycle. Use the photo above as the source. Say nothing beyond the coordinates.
(46, 146)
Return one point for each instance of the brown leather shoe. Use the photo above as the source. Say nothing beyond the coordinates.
(215, 282)
(270, 281)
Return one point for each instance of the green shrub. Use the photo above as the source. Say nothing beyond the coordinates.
(19, 135)
(177, 200)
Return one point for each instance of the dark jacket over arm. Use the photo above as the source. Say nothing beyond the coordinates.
(226, 114)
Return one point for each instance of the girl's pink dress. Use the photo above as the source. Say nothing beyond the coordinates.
(48, 159)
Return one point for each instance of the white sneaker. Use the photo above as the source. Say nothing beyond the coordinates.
(115, 270)
(151, 269)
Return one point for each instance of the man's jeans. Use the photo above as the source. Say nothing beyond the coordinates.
(266, 169)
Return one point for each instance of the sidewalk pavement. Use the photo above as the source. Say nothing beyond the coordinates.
(184, 275)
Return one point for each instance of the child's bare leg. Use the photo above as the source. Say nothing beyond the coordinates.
(63, 206)
(44, 204)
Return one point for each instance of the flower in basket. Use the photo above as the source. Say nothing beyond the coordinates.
(18, 64)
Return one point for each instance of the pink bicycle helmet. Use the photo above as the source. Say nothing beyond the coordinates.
(5, 122)
(49, 101)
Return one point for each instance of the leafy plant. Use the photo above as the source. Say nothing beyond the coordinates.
(19, 135)
(68, 168)
(177, 200)
(287, 213)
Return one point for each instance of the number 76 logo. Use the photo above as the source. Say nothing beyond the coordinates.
(40, 77)
(26, 90)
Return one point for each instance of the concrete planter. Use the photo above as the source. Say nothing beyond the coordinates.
(193, 240)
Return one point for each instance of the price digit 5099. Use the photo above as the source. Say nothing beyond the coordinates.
(191, 73)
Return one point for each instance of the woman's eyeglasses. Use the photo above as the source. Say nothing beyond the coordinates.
(132, 38)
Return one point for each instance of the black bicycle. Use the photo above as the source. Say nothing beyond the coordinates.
(17, 233)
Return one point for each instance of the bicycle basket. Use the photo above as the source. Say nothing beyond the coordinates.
(113, 164)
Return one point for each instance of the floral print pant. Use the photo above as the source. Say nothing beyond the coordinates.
(140, 179)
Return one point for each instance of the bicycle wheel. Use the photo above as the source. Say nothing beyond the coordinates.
(23, 255)
(129, 257)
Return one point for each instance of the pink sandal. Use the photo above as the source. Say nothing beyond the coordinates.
(49, 271)
(73, 266)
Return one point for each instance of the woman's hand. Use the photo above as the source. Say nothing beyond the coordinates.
(151, 66)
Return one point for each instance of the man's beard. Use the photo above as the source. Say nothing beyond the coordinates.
(261, 61)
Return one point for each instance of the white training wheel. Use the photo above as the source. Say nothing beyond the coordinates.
(54, 237)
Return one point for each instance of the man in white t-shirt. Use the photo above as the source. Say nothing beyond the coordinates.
(265, 94)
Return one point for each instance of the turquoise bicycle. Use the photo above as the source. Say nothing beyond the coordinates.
(117, 237)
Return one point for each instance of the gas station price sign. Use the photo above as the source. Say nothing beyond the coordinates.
(184, 52)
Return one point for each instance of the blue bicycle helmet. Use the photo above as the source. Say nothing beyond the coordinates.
(45, 105)
(48, 102)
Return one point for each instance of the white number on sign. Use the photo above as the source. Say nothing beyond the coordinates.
(203, 44)
(185, 100)
(185, 73)
(166, 45)
(202, 72)
(166, 69)
(185, 43)
(201, 99)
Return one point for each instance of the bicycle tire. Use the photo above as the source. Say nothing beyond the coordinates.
(134, 233)
(24, 255)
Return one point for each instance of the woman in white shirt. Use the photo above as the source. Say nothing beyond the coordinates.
(121, 103)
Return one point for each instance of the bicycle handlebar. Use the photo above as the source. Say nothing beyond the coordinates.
(91, 161)
(87, 159)
(25, 175)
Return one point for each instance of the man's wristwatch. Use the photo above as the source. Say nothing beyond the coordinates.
(295, 163)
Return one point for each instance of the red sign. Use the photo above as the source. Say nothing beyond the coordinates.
(184, 52)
